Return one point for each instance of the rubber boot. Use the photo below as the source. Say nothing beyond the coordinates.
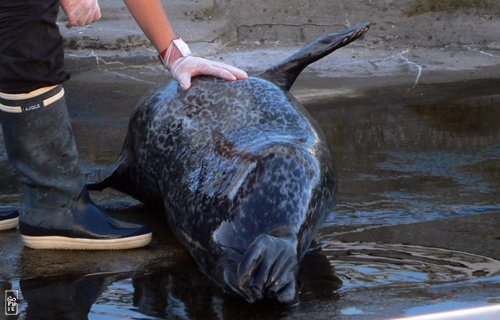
(9, 217)
(57, 212)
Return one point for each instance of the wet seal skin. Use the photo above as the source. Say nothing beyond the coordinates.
(243, 172)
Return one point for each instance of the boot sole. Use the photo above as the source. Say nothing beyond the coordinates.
(9, 223)
(66, 243)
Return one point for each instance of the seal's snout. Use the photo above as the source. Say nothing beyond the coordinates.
(268, 269)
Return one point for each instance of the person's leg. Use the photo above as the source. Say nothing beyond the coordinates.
(9, 217)
(57, 212)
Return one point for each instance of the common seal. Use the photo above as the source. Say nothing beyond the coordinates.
(242, 170)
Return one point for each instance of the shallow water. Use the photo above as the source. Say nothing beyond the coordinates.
(378, 281)
(403, 156)
(414, 160)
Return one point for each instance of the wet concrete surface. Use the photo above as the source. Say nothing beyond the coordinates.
(416, 227)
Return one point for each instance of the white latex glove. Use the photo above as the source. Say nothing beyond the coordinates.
(81, 12)
(184, 68)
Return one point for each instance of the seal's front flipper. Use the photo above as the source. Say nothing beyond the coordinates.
(268, 269)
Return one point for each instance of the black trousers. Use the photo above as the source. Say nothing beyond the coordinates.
(31, 47)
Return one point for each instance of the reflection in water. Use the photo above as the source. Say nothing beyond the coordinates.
(65, 297)
(185, 293)
(179, 292)
(401, 163)
(182, 292)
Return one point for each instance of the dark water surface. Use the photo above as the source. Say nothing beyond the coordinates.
(416, 228)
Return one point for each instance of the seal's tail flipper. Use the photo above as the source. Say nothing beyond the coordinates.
(285, 73)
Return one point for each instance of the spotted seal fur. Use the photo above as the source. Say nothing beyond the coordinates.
(243, 172)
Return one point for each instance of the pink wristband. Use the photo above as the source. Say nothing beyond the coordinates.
(177, 46)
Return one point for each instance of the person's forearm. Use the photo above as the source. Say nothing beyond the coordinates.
(175, 55)
(151, 17)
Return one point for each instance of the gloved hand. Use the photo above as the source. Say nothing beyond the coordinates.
(183, 69)
(81, 12)
(178, 60)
